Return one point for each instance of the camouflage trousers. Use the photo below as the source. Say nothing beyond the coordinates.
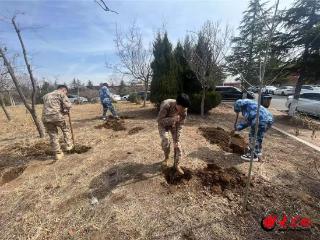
(262, 129)
(107, 105)
(165, 143)
(52, 130)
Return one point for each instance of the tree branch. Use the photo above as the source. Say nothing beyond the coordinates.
(33, 81)
(103, 5)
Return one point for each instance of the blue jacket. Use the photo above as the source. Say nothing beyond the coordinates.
(105, 95)
(248, 108)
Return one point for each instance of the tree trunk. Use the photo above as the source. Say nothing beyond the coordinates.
(20, 92)
(294, 104)
(38, 123)
(11, 99)
(145, 93)
(202, 102)
(4, 109)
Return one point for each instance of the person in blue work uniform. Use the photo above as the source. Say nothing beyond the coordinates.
(106, 101)
(248, 108)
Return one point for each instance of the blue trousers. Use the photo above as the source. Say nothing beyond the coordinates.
(107, 105)
(262, 129)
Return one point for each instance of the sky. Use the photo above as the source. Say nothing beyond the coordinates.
(69, 39)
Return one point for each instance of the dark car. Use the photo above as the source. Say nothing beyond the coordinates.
(253, 89)
(232, 93)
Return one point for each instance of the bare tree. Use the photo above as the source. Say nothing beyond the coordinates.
(263, 64)
(30, 107)
(135, 58)
(104, 6)
(4, 87)
(208, 55)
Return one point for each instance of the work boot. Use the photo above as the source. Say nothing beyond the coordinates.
(179, 170)
(165, 163)
(69, 148)
(59, 156)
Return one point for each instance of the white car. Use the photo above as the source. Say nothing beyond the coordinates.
(125, 98)
(284, 91)
(308, 103)
(77, 99)
(309, 88)
(269, 89)
(116, 97)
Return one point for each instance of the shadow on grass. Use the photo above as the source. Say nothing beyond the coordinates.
(221, 158)
(121, 175)
(140, 114)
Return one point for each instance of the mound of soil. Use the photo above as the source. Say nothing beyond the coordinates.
(11, 174)
(135, 130)
(227, 141)
(41, 150)
(217, 179)
(114, 124)
(238, 144)
(173, 177)
(213, 178)
(36, 150)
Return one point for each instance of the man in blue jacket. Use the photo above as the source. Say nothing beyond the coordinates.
(106, 101)
(248, 108)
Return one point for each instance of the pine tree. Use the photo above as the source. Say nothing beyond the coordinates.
(302, 25)
(122, 89)
(89, 85)
(247, 47)
(74, 85)
(186, 79)
(164, 83)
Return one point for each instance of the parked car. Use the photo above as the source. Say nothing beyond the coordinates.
(308, 103)
(269, 89)
(77, 99)
(125, 98)
(309, 88)
(253, 89)
(284, 91)
(232, 93)
(116, 97)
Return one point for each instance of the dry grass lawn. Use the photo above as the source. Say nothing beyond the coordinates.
(116, 189)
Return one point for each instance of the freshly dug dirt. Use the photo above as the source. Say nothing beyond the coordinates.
(29, 150)
(114, 124)
(40, 150)
(173, 177)
(229, 143)
(217, 179)
(11, 174)
(238, 144)
(135, 130)
(213, 178)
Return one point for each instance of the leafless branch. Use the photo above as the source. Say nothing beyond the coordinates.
(135, 59)
(208, 54)
(103, 5)
(31, 108)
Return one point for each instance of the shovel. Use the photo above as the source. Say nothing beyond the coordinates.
(71, 128)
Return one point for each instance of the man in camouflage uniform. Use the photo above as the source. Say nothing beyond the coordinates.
(249, 109)
(56, 106)
(171, 117)
(106, 101)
